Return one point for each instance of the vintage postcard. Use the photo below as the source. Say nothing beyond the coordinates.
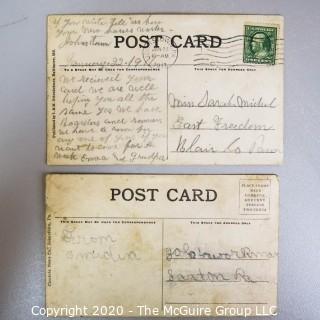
(165, 89)
(161, 245)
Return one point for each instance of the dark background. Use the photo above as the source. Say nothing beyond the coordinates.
(23, 145)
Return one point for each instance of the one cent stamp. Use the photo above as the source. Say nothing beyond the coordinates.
(260, 43)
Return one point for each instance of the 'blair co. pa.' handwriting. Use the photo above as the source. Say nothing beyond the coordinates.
(165, 89)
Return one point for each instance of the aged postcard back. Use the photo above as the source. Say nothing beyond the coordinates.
(165, 89)
(123, 245)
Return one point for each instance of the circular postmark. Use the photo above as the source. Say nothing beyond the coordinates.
(162, 55)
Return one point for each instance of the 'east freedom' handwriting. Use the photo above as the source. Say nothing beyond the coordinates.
(219, 123)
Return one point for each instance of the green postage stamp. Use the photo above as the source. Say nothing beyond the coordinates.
(260, 44)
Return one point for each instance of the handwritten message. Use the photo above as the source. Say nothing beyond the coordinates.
(139, 89)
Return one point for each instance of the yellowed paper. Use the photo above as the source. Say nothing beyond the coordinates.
(162, 245)
(165, 89)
